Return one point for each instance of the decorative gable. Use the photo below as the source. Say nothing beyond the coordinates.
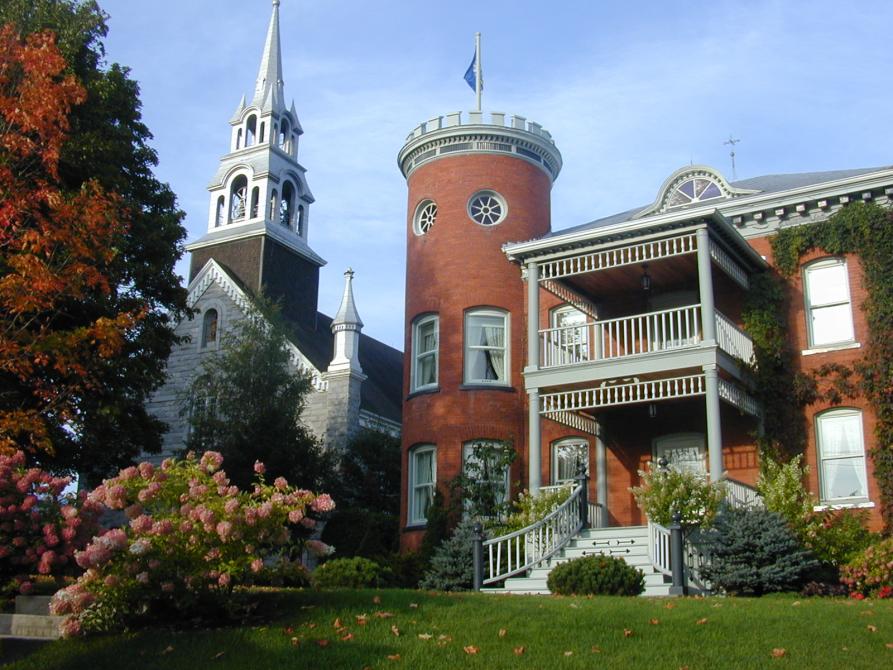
(691, 186)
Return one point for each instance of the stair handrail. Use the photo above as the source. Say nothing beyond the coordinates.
(520, 550)
(695, 555)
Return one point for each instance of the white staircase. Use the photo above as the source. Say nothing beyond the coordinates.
(629, 543)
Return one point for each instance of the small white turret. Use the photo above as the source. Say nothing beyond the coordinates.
(346, 327)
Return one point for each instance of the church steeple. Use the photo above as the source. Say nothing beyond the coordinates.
(258, 219)
(269, 91)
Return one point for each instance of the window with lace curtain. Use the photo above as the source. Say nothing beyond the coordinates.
(486, 347)
(422, 480)
(841, 452)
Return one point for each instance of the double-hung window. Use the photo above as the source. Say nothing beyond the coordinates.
(486, 347)
(829, 314)
(841, 452)
(422, 481)
(425, 338)
(567, 455)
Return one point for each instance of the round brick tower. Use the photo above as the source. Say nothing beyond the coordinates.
(474, 184)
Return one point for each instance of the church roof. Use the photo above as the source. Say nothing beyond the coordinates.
(764, 185)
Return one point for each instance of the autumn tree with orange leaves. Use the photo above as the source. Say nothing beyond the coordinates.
(56, 247)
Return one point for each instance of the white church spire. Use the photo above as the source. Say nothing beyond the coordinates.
(346, 327)
(269, 91)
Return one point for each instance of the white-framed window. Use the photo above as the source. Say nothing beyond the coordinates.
(829, 314)
(487, 208)
(425, 339)
(567, 455)
(425, 217)
(422, 482)
(485, 470)
(569, 340)
(210, 328)
(486, 347)
(841, 455)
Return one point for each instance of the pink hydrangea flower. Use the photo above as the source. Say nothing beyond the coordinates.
(280, 483)
(323, 503)
(259, 467)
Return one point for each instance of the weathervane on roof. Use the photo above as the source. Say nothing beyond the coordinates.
(732, 142)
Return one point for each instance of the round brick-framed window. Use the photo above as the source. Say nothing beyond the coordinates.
(487, 208)
(425, 216)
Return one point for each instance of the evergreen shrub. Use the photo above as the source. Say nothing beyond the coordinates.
(755, 552)
(452, 565)
(349, 573)
(596, 575)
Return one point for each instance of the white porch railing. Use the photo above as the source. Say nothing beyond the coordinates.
(732, 339)
(516, 552)
(663, 330)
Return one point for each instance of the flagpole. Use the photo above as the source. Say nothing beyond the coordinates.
(479, 84)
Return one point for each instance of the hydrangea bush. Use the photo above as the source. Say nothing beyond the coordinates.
(190, 538)
(870, 573)
(664, 492)
(41, 527)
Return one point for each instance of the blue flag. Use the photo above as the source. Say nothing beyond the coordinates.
(470, 75)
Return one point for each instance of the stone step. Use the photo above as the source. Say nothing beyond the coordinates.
(637, 561)
(615, 532)
(30, 626)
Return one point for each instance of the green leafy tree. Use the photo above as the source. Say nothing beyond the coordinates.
(108, 144)
(246, 403)
(483, 483)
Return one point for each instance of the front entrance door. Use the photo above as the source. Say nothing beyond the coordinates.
(683, 451)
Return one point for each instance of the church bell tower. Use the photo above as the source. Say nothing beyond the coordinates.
(259, 210)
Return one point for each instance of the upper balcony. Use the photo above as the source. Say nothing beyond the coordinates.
(661, 331)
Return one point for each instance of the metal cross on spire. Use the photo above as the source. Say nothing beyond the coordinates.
(732, 142)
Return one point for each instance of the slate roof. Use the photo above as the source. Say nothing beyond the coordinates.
(773, 183)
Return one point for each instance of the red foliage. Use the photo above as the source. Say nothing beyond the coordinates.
(55, 248)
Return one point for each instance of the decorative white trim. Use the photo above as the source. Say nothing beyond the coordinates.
(836, 347)
(738, 397)
(571, 297)
(853, 505)
(379, 423)
(683, 175)
(728, 265)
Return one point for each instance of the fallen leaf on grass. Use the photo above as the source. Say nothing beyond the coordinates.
(322, 643)
(383, 615)
(701, 622)
(889, 645)
(575, 606)
(376, 599)
(219, 654)
(295, 642)
(395, 631)
(288, 631)
(796, 603)
(425, 636)
(627, 632)
(168, 649)
(720, 604)
(669, 606)
(445, 638)
(471, 649)
(307, 607)
(362, 619)
(654, 622)
(502, 632)
(568, 653)
(778, 652)
(413, 606)
(519, 651)
(871, 628)
(596, 649)
(337, 624)
(394, 657)
(310, 625)
(347, 638)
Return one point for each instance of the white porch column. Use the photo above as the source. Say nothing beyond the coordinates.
(534, 443)
(601, 472)
(533, 315)
(714, 427)
(705, 284)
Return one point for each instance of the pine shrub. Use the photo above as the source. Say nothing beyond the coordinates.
(755, 552)
(452, 566)
(598, 576)
(349, 573)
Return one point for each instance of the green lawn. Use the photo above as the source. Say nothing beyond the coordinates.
(435, 630)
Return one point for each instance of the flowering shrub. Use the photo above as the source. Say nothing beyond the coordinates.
(192, 537)
(40, 527)
(870, 573)
(664, 492)
(532, 508)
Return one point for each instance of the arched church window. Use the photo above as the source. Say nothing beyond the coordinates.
(286, 204)
(237, 198)
(250, 130)
(300, 226)
(255, 195)
(693, 190)
(209, 328)
(272, 213)
(219, 215)
(284, 135)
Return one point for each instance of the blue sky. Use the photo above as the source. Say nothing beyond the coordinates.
(630, 91)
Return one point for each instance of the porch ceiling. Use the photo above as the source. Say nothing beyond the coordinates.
(669, 274)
